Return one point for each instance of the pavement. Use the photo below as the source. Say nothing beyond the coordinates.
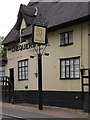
(25, 110)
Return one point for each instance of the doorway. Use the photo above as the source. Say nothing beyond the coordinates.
(12, 76)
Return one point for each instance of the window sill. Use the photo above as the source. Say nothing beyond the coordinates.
(22, 79)
(66, 45)
(69, 78)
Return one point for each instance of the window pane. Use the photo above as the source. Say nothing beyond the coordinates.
(26, 68)
(67, 75)
(76, 68)
(63, 72)
(76, 61)
(26, 75)
(19, 73)
(71, 65)
(19, 64)
(70, 37)
(62, 39)
(67, 71)
(63, 69)
(23, 63)
(71, 75)
(62, 75)
(76, 64)
(0, 68)
(76, 74)
(62, 62)
(23, 69)
(19, 77)
(26, 63)
(0, 73)
(71, 62)
(67, 62)
(19, 69)
(71, 68)
(22, 31)
(0, 78)
(66, 38)
(23, 75)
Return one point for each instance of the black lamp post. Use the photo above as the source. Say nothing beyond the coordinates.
(39, 37)
(40, 93)
(40, 96)
(40, 80)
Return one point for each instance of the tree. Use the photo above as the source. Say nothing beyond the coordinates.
(2, 48)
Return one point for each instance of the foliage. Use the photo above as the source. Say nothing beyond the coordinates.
(2, 48)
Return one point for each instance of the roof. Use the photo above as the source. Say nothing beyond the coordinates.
(51, 14)
(13, 36)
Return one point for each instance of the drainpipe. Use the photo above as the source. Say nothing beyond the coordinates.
(81, 46)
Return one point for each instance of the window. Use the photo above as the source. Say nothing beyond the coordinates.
(70, 68)
(23, 70)
(66, 38)
(2, 71)
(22, 38)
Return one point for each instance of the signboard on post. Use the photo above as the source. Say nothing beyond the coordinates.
(39, 34)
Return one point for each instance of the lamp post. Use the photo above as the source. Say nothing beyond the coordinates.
(39, 37)
(40, 93)
(40, 80)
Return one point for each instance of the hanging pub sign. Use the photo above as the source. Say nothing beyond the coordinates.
(39, 35)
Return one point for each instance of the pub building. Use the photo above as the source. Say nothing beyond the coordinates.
(68, 41)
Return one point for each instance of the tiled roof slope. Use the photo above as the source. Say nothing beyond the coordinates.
(50, 14)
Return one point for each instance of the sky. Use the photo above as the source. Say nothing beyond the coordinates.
(8, 14)
(9, 10)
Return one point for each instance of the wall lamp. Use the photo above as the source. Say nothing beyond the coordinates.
(26, 87)
(32, 57)
(46, 54)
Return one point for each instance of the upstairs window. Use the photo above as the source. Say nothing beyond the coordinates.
(70, 68)
(66, 38)
(22, 38)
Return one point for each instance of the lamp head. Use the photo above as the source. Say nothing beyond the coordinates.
(46, 54)
(32, 57)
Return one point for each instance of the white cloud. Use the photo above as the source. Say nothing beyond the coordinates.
(9, 10)
(8, 14)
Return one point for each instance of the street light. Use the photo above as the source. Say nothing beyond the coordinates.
(40, 78)
(39, 37)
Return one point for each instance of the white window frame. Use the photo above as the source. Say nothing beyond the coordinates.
(70, 68)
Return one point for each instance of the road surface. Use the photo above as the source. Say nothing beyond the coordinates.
(15, 112)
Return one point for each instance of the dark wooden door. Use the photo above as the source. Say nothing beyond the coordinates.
(12, 75)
